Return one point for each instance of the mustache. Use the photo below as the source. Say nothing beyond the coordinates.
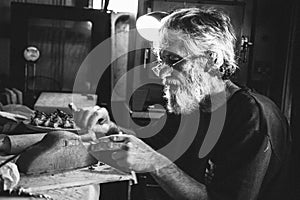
(171, 81)
(183, 84)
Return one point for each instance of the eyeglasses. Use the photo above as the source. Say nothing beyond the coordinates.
(170, 59)
(167, 58)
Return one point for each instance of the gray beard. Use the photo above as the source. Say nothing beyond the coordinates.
(194, 89)
(180, 101)
(186, 98)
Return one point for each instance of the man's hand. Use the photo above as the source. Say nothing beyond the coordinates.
(130, 153)
(94, 119)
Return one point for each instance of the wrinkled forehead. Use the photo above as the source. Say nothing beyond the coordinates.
(183, 44)
(172, 41)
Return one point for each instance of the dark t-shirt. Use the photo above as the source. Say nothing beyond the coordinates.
(251, 159)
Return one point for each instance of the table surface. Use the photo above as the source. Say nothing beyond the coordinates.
(73, 178)
(50, 101)
(72, 185)
(86, 192)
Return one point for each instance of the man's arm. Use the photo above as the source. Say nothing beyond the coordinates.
(176, 183)
(135, 155)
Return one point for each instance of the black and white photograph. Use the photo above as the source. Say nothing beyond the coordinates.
(149, 100)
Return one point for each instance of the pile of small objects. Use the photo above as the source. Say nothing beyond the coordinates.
(57, 119)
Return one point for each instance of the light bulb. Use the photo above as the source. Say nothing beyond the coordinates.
(148, 25)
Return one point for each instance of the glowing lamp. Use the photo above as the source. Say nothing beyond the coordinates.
(148, 25)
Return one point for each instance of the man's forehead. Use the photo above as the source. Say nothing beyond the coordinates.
(176, 44)
(176, 47)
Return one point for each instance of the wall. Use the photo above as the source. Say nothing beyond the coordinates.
(272, 23)
(4, 37)
(5, 29)
(295, 109)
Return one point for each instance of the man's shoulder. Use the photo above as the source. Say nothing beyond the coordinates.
(242, 106)
(246, 97)
(267, 108)
(272, 122)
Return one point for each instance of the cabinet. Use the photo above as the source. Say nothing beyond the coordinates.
(65, 36)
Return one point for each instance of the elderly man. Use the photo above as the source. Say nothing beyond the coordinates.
(249, 158)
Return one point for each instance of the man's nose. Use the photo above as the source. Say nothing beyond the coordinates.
(165, 71)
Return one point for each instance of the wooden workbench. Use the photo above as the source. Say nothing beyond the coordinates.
(80, 184)
(76, 184)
